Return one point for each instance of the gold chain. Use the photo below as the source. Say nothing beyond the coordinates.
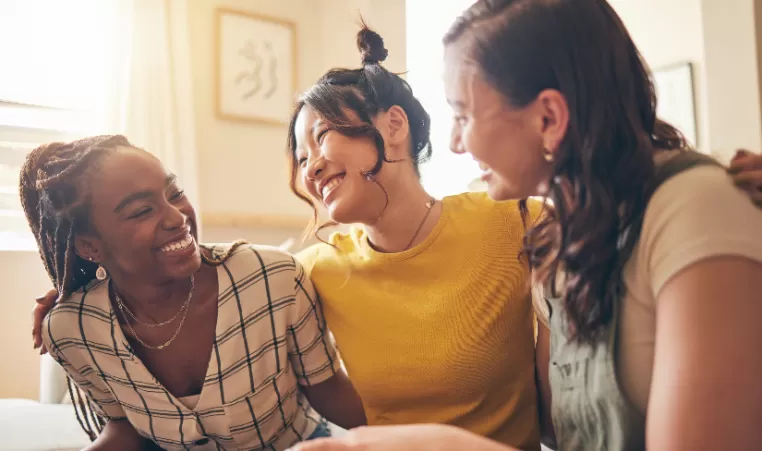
(184, 309)
(429, 204)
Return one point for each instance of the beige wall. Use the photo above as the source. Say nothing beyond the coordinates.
(668, 32)
(241, 167)
(23, 279)
(720, 39)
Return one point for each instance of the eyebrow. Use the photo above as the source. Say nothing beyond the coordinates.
(172, 178)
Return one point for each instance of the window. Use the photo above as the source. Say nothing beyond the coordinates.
(55, 59)
(446, 173)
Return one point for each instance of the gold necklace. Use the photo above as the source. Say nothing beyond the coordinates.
(428, 204)
(184, 309)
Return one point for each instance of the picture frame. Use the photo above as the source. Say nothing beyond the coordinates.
(675, 93)
(256, 67)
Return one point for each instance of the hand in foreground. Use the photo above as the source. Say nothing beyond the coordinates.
(418, 437)
(746, 169)
(43, 305)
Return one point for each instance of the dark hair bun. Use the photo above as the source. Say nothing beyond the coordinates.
(371, 46)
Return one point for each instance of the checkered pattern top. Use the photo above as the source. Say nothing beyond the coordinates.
(271, 337)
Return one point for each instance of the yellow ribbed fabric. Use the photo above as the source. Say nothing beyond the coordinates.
(442, 332)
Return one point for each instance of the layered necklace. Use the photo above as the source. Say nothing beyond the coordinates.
(127, 312)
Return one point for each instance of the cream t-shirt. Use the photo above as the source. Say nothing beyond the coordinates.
(696, 214)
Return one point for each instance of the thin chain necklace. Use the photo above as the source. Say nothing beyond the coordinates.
(123, 307)
(184, 310)
(428, 204)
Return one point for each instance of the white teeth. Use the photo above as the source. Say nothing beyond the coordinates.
(333, 183)
(178, 245)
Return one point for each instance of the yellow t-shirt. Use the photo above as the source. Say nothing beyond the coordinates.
(443, 332)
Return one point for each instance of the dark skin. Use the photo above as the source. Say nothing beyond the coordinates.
(154, 284)
(132, 221)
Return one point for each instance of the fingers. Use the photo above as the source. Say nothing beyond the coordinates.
(745, 161)
(43, 305)
(741, 153)
(752, 178)
(48, 298)
(38, 314)
(757, 198)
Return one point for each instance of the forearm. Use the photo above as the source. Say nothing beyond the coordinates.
(337, 401)
(119, 435)
(542, 362)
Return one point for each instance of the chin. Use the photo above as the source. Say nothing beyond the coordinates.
(185, 268)
(499, 192)
(342, 213)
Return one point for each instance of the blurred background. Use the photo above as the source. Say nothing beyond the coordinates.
(156, 71)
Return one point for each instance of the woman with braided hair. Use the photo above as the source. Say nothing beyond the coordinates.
(169, 342)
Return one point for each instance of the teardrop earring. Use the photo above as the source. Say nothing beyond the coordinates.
(548, 155)
(101, 272)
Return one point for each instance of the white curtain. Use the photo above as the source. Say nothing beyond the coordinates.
(149, 94)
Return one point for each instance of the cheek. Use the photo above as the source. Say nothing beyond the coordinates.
(351, 154)
(474, 138)
(303, 182)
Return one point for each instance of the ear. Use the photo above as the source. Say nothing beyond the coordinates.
(554, 112)
(395, 129)
(88, 247)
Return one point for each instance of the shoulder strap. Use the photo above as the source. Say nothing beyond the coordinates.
(682, 162)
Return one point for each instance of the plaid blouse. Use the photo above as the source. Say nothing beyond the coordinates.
(270, 338)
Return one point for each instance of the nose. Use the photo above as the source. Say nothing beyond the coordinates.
(174, 218)
(316, 168)
(456, 144)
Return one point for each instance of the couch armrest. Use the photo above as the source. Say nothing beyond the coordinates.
(52, 381)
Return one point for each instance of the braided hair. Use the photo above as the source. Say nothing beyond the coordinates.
(56, 204)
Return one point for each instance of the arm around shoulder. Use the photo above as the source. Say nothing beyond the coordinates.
(705, 262)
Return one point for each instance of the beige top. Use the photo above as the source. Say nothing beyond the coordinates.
(693, 216)
(271, 339)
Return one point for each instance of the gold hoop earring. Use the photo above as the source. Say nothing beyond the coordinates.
(548, 155)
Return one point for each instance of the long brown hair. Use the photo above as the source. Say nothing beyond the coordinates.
(55, 198)
(599, 184)
(363, 92)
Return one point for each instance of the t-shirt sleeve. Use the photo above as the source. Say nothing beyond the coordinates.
(63, 348)
(311, 347)
(697, 214)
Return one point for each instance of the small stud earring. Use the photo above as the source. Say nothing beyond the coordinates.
(548, 155)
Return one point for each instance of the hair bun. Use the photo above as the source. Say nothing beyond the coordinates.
(371, 46)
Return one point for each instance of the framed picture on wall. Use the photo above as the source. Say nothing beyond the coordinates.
(675, 94)
(255, 67)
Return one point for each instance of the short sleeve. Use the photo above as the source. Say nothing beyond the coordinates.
(311, 347)
(84, 377)
(697, 214)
